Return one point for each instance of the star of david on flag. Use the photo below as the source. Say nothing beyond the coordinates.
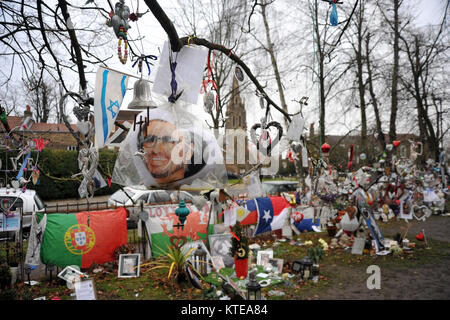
(110, 89)
(272, 213)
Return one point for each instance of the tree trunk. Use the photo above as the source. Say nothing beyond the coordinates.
(361, 86)
(394, 93)
(380, 134)
(420, 97)
(320, 58)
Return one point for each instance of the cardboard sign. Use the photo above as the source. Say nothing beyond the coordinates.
(358, 246)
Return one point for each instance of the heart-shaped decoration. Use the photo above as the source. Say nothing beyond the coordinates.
(15, 184)
(396, 143)
(420, 237)
(420, 212)
(264, 141)
(178, 242)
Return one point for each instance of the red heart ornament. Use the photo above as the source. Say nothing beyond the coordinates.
(396, 143)
(420, 237)
(397, 202)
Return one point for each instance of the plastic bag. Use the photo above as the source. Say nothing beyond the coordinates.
(171, 149)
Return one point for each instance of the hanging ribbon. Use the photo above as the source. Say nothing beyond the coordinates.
(350, 160)
(209, 80)
(145, 58)
(24, 164)
(173, 83)
(234, 235)
(334, 14)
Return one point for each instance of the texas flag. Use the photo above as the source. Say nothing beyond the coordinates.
(272, 213)
(110, 88)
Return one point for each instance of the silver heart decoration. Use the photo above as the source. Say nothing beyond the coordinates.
(426, 212)
(84, 127)
(266, 144)
(15, 184)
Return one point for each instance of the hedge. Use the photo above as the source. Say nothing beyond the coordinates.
(57, 168)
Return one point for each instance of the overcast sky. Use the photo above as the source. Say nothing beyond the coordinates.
(430, 12)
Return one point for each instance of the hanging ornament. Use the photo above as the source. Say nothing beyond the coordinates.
(35, 176)
(325, 149)
(290, 156)
(350, 157)
(119, 23)
(209, 101)
(334, 15)
(123, 36)
(362, 156)
(238, 74)
(265, 142)
(262, 102)
(396, 143)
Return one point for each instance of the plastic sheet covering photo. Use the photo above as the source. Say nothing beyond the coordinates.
(171, 149)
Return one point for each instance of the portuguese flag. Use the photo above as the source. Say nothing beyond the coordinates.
(83, 238)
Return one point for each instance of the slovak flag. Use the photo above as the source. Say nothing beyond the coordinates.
(272, 213)
(110, 88)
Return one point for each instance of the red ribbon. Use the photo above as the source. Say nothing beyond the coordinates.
(232, 233)
(350, 161)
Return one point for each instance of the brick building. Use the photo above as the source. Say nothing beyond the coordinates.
(57, 134)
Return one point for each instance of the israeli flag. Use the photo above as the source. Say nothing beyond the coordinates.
(110, 88)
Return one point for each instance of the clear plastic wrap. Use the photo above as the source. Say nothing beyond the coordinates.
(171, 150)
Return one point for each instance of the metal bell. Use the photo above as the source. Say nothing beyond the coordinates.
(142, 98)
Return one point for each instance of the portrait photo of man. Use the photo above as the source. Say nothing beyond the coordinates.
(161, 152)
(168, 152)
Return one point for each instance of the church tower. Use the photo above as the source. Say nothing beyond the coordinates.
(236, 129)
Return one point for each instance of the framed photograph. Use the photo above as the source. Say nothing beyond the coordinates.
(263, 257)
(129, 265)
(217, 262)
(85, 290)
(220, 244)
(277, 265)
(70, 274)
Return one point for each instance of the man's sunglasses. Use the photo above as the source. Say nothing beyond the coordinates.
(163, 139)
